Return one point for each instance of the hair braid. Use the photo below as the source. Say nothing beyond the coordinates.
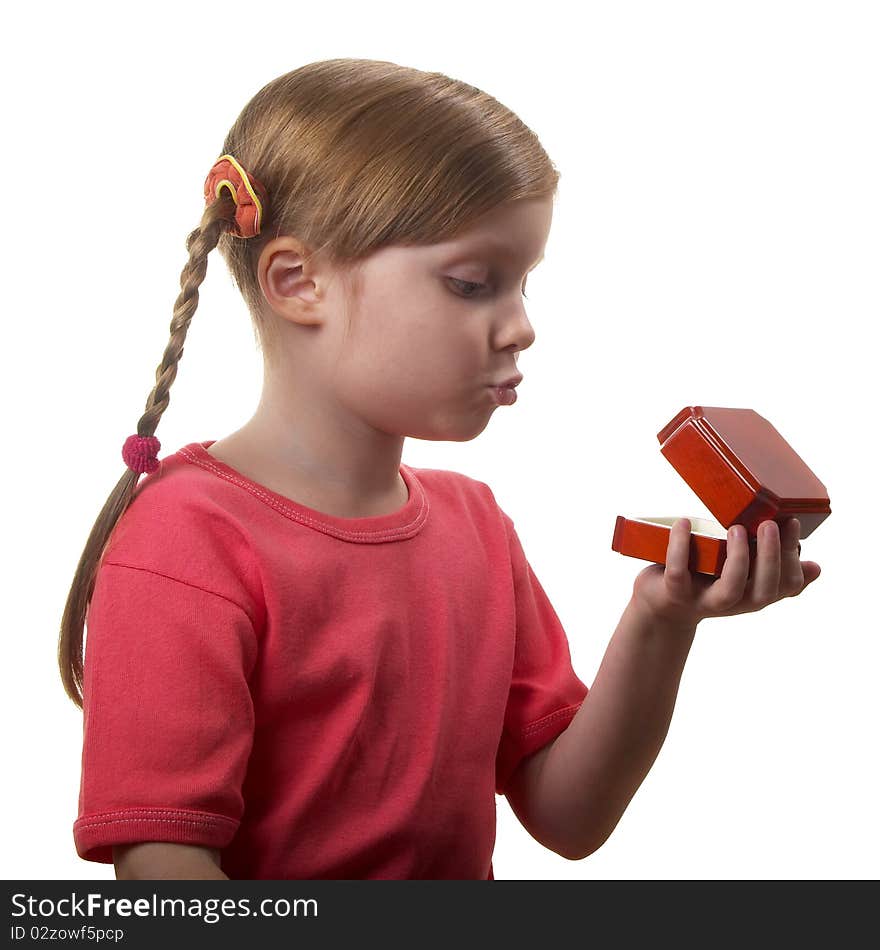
(216, 219)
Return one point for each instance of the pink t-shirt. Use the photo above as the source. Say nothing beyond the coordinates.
(316, 697)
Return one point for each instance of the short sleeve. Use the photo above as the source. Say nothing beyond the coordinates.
(545, 693)
(168, 714)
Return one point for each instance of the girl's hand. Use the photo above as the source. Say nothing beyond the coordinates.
(672, 593)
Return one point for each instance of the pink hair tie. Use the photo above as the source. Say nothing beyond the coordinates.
(140, 453)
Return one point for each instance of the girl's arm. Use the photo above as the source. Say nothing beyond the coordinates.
(159, 860)
(571, 794)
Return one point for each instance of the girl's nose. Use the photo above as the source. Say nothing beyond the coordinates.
(517, 327)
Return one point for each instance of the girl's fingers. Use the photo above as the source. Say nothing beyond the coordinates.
(728, 590)
(744, 584)
(768, 565)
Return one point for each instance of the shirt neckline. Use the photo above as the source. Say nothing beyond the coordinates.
(403, 523)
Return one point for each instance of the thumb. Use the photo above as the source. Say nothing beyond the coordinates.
(811, 571)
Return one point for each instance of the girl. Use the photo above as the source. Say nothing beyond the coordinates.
(306, 659)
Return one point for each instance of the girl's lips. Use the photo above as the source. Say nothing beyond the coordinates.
(504, 395)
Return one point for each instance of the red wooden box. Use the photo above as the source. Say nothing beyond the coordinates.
(745, 473)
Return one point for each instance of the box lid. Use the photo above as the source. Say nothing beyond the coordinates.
(742, 468)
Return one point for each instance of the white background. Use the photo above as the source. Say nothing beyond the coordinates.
(715, 242)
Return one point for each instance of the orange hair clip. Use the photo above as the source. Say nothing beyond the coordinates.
(249, 194)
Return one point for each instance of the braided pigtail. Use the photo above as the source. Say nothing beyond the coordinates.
(218, 217)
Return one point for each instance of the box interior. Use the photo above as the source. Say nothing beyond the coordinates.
(698, 525)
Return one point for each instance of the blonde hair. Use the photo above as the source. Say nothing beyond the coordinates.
(355, 155)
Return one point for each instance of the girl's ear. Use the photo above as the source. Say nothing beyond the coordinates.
(288, 280)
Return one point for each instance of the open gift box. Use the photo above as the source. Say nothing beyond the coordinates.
(744, 472)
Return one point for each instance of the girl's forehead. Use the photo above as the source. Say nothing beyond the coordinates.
(509, 235)
(515, 247)
(517, 231)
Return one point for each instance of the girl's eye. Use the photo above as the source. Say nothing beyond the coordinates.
(470, 283)
(466, 284)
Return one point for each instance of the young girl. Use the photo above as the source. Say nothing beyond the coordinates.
(306, 659)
